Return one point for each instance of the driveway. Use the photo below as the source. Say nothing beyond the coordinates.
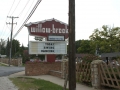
(6, 71)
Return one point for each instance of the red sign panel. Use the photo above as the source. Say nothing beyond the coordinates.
(48, 27)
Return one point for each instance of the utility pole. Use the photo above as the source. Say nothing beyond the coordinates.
(11, 36)
(72, 53)
(1, 48)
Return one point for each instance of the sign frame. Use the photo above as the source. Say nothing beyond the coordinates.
(47, 47)
(56, 37)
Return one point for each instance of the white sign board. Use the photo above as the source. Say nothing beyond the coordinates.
(56, 38)
(47, 47)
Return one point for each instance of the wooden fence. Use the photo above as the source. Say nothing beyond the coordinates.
(83, 72)
(110, 75)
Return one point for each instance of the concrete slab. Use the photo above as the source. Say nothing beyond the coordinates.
(6, 84)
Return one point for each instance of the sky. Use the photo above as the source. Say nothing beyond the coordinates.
(89, 15)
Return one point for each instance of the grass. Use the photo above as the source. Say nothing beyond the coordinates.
(25, 83)
(3, 64)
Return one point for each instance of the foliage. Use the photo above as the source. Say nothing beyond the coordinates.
(59, 56)
(90, 58)
(85, 47)
(40, 57)
(17, 50)
(15, 47)
(24, 83)
(2, 47)
(77, 44)
(2, 64)
(106, 39)
(7, 48)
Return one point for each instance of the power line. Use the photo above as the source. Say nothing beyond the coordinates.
(31, 13)
(8, 34)
(24, 7)
(6, 19)
(11, 7)
(16, 7)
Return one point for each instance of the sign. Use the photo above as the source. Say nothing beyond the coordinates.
(47, 47)
(38, 38)
(56, 38)
(48, 27)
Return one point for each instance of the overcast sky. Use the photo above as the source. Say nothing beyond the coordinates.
(90, 14)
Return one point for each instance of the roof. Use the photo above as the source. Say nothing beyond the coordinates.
(115, 54)
(43, 21)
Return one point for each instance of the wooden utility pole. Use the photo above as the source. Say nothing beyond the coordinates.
(11, 36)
(0, 47)
(72, 62)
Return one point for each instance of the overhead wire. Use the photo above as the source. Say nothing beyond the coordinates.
(16, 7)
(6, 20)
(23, 10)
(21, 14)
(31, 13)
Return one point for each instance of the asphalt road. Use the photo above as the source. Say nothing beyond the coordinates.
(6, 71)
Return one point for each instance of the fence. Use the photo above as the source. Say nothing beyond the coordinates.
(110, 75)
(104, 75)
(15, 62)
(83, 72)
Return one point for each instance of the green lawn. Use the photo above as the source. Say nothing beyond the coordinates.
(2, 64)
(24, 83)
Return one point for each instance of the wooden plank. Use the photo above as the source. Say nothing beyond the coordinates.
(79, 70)
(117, 68)
(109, 74)
(104, 74)
(110, 85)
(114, 75)
(88, 75)
(112, 79)
(85, 72)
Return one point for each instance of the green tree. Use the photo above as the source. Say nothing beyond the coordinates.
(8, 48)
(84, 47)
(2, 46)
(15, 47)
(77, 43)
(106, 39)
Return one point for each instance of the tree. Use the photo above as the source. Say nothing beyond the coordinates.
(15, 47)
(84, 47)
(106, 39)
(2, 46)
(7, 48)
(77, 43)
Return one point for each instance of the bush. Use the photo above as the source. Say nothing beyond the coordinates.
(90, 58)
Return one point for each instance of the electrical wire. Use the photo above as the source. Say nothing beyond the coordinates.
(13, 11)
(20, 14)
(31, 13)
(6, 20)
(16, 7)
(23, 10)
